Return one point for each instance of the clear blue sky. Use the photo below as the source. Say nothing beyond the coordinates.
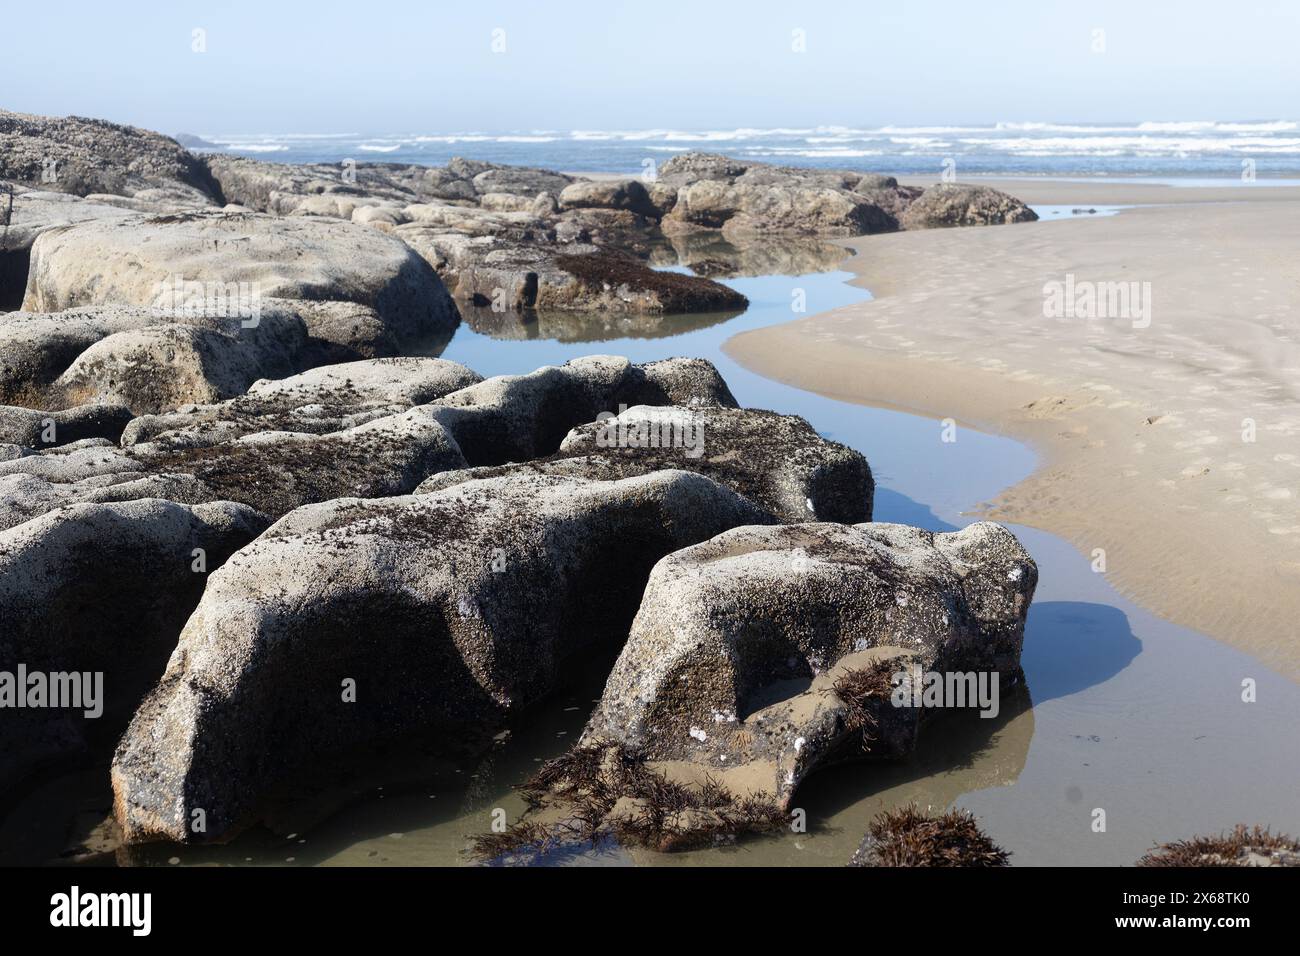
(375, 66)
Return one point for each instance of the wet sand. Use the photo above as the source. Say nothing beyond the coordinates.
(1142, 431)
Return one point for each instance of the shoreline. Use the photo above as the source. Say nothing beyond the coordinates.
(1138, 432)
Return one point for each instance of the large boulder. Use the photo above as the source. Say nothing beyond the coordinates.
(531, 275)
(520, 417)
(951, 602)
(229, 262)
(958, 204)
(783, 207)
(100, 591)
(77, 155)
(629, 194)
(776, 461)
(24, 215)
(336, 628)
(746, 199)
(768, 652)
(150, 360)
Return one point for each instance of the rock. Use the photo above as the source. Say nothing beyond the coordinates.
(379, 216)
(779, 208)
(520, 181)
(326, 399)
(102, 588)
(768, 652)
(24, 215)
(909, 836)
(775, 461)
(508, 202)
(388, 381)
(283, 187)
(244, 256)
(83, 156)
(151, 360)
(35, 349)
(951, 204)
(24, 496)
(165, 365)
(628, 194)
(507, 276)
(748, 199)
(257, 685)
(685, 168)
(521, 417)
(276, 472)
(35, 429)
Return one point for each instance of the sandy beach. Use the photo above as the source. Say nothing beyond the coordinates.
(1171, 442)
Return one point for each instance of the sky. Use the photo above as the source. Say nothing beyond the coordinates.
(397, 66)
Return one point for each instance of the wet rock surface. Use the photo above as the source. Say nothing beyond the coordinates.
(769, 652)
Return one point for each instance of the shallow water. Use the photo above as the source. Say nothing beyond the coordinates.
(1130, 714)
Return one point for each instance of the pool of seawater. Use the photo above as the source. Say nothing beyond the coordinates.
(1125, 713)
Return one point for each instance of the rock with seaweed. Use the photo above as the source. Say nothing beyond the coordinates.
(355, 620)
(767, 653)
(1242, 846)
(776, 461)
(910, 836)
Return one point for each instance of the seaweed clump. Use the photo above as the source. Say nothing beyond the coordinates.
(601, 793)
(909, 836)
(1244, 846)
(862, 689)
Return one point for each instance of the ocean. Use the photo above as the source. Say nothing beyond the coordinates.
(1212, 150)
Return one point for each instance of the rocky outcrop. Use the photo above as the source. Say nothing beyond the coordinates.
(325, 399)
(76, 155)
(536, 275)
(218, 257)
(768, 652)
(776, 461)
(954, 204)
(745, 199)
(520, 417)
(336, 628)
(161, 311)
(34, 429)
(151, 361)
(627, 194)
(102, 589)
